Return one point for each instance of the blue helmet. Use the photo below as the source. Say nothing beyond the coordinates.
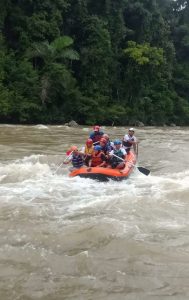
(117, 142)
(97, 148)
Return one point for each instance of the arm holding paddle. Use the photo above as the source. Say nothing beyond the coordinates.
(129, 140)
(141, 169)
(117, 156)
(75, 152)
(66, 160)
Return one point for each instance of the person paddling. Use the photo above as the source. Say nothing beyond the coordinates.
(129, 140)
(76, 158)
(115, 154)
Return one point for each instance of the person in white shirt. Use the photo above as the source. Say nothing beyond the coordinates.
(129, 140)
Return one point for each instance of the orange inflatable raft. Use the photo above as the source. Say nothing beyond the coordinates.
(104, 174)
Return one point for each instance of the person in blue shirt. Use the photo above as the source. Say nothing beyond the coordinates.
(106, 148)
(109, 144)
(96, 135)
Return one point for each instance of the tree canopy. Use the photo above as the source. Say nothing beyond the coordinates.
(111, 62)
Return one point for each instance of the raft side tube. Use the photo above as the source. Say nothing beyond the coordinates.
(105, 174)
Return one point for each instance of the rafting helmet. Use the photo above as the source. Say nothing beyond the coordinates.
(97, 148)
(89, 142)
(131, 129)
(96, 128)
(74, 148)
(117, 142)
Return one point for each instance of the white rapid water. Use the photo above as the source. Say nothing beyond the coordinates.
(74, 238)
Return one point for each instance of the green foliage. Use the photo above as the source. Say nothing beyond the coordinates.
(111, 62)
(59, 49)
(6, 102)
(55, 75)
(144, 54)
(95, 52)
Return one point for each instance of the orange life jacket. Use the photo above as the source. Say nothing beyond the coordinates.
(96, 160)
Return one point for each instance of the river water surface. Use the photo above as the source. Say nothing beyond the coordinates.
(73, 238)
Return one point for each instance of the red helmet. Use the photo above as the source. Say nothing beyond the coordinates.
(96, 128)
(103, 140)
(89, 142)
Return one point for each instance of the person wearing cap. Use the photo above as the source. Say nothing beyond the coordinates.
(76, 158)
(96, 135)
(129, 140)
(117, 155)
(98, 157)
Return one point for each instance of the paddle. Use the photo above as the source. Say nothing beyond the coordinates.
(70, 153)
(141, 169)
(95, 143)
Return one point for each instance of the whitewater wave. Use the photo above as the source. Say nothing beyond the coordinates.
(41, 126)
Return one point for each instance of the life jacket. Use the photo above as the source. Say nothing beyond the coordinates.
(77, 161)
(114, 161)
(88, 151)
(127, 143)
(96, 160)
(118, 153)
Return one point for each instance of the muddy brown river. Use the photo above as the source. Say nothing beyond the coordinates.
(78, 239)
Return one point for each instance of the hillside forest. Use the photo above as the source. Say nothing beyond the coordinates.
(104, 61)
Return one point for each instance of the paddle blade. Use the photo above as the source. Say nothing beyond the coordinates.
(144, 170)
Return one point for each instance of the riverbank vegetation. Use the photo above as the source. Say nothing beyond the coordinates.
(107, 62)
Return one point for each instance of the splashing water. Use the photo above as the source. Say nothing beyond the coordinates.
(74, 238)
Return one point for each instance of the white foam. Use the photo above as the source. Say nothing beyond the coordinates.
(32, 158)
(14, 172)
(31, 182)
(41, 126)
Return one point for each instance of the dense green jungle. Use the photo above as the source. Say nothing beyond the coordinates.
(118, 62)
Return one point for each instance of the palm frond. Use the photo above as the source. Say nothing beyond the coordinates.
(69, 54)
(62, 42)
